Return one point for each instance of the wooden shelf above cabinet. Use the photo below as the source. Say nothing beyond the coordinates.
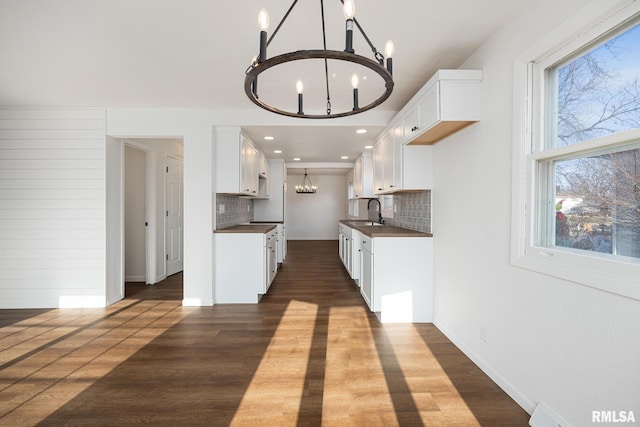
(440, 131)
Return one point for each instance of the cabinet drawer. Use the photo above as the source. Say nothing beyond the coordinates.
(366, 243)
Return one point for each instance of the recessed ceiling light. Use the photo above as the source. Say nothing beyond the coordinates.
(297, 159)
(268, 138)
(361, 131)
(368, 147)
(277, 151)
(344, 157)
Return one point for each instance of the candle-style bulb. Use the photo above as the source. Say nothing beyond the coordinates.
(299, 87)
(263, 19)
(349, 9)
(389, 49)
(354, 82)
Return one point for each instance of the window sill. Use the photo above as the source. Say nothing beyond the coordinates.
(613, 276)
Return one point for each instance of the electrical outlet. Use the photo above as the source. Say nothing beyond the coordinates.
(395, 207)
(221, 208)
(484, 329)
(248, 208)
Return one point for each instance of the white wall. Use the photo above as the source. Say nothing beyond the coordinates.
(194, 127)
(52, 208)
(135, 215)
(316, 216)
(574, 348)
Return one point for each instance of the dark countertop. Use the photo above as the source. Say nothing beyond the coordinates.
(382, 230)
(248, 228)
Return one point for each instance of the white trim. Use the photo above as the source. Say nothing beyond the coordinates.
(620, 276)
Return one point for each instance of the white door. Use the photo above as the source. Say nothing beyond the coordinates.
(174, 221)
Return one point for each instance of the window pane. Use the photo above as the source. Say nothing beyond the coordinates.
(598, 203)
(598, 93)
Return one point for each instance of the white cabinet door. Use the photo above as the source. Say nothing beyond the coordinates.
(348, 254)
(357, 178)
(366, 279)
(410, 124)
(356, 261)
(271, 256)
(236, 163)
(378, 166)
(429, 106)
(249, 168)
(383, 165)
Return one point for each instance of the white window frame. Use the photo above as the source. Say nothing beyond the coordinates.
(611, 274)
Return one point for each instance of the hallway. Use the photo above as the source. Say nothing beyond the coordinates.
(309, 353)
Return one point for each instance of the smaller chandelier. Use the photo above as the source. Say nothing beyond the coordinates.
(306, 187)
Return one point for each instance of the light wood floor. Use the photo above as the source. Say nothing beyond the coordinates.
(308, 354)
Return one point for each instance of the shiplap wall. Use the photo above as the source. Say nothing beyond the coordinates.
(52, 208)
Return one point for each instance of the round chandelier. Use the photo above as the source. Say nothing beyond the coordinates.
(261, 63)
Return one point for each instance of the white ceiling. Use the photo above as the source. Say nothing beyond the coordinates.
(193, 54)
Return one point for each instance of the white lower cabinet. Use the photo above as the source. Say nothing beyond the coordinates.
(397, 277)
(272, 258)
(366, 273)
(349, 250)
(245, 266)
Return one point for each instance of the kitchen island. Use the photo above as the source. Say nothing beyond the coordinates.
(245, 261)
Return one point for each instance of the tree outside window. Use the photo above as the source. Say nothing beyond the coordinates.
(597, 192)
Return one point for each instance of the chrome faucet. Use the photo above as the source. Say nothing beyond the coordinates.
(380, 220)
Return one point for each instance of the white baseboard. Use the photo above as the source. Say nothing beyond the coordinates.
(134, 278)
(513, 392)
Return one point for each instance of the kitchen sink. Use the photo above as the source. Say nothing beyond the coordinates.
(367, 223)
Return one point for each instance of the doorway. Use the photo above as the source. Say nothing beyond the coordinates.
(153, 209)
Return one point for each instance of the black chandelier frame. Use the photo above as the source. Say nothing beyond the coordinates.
(261, 64)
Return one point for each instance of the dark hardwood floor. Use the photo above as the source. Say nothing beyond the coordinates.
(308, 354)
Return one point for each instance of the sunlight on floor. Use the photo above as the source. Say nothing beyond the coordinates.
(276, 388)
(433, 392)
(43, 368)
(354, 371)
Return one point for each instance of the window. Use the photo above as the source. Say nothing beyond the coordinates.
(580, 161)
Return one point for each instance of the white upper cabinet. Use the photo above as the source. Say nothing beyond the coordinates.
(363, 177)
(448, 102)
(263, 166)
(238, 163)
(399, 167)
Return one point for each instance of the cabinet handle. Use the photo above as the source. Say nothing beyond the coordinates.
(380, 189)
(364, 241)
(391, 186)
